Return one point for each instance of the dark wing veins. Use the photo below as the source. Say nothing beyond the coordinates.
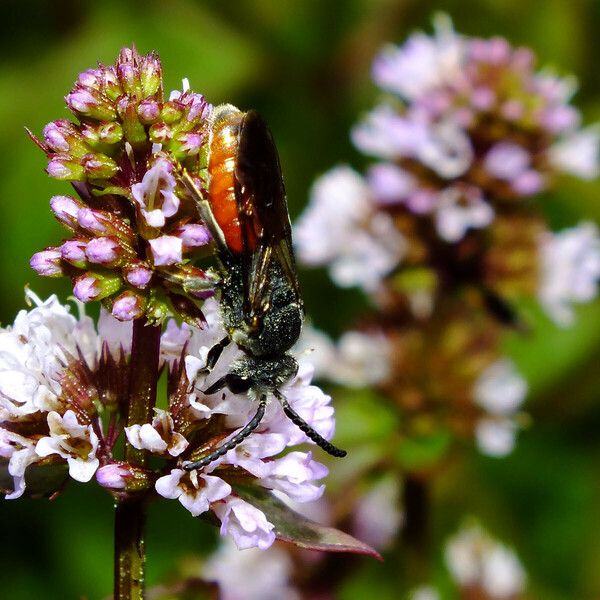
(264, 218)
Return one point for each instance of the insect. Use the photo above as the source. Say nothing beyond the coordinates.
(259, 296)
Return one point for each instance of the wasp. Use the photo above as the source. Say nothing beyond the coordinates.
(259, 297)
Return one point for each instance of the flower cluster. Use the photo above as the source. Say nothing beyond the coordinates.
(62, 387)
(135, 230)
(442, 232)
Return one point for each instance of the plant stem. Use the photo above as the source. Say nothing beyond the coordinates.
(130, 513)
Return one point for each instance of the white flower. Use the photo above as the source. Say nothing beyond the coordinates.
(251, 574)
(21, 453)
(422, 63)
(500, 389)
(377, 516)
(570, 270)
(155, 195)
(159, 437)
(294, 475)
(458, 212)
(577, 153)
(73, 441)
(496, 436)
(33, 353)
(475, 559)
(247, 525)
(194, 491)
(340, 229)
(446, 150)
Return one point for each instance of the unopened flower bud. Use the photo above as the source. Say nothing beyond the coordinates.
(73, 252)
(65, 209)
(160, 133)
(186, 144)
(93, 221)
(166, 250)
(138, 275)
(47, 262)
(193, 235)
(128, 306)
(87, 104)
(150, 74)
(148, 111)
(94, 286)
(99, 166)
(172, 111)
(63, 167)
(104, 251)
(63, 136)
(133, 130)
(129, 77)
(121, 476)
(110, 133)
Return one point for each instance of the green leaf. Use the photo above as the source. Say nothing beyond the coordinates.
(298, 530)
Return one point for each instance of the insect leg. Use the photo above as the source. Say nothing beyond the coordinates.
(234, 441)
(297, 420)
(205, 211)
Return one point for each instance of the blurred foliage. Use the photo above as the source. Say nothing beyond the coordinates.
(304, 64)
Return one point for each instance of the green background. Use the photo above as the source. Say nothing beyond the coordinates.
(304, 64)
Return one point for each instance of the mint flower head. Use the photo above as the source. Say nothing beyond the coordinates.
(135, 232)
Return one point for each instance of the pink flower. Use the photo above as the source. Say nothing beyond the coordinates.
(166, 250)
(247, 525)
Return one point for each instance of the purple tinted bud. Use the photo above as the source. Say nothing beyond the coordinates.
(92, 286)
(47, 262)
(113, 476)
(190, 143)
(127, 75)
(528, 183)
(65, 209)
(483, 98)
(512, 110)
(92, 221)
(56, 135)
(91, 78)
(138, 276)
(82, 101)
(199, 108)
(86, 288)
(561, 118)
(64, 168)
(507, 161)
(166, 250)
(104, 250)
(73, 251)
(128, 306)
(148, 111)
(194, 235)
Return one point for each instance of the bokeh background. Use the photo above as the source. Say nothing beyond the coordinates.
(304, 64)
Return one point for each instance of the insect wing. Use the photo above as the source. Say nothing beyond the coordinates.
(263, 211)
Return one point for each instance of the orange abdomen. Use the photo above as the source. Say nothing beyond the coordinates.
(221, 186)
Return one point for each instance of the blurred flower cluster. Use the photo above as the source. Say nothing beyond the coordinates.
(135, 230)
(446, 232)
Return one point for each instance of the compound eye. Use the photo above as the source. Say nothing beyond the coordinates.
(238, 384)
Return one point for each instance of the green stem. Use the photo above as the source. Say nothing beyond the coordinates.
(130, 512)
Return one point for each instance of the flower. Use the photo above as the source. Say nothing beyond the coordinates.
(247, 525)
(476, 560)
(570, 270)
(261, 574)
(72, 441)
(331, 231)
(158, 437)
(136, 229)
(194, 491)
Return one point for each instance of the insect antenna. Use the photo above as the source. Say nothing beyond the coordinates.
(234, 441)
(297, 420)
